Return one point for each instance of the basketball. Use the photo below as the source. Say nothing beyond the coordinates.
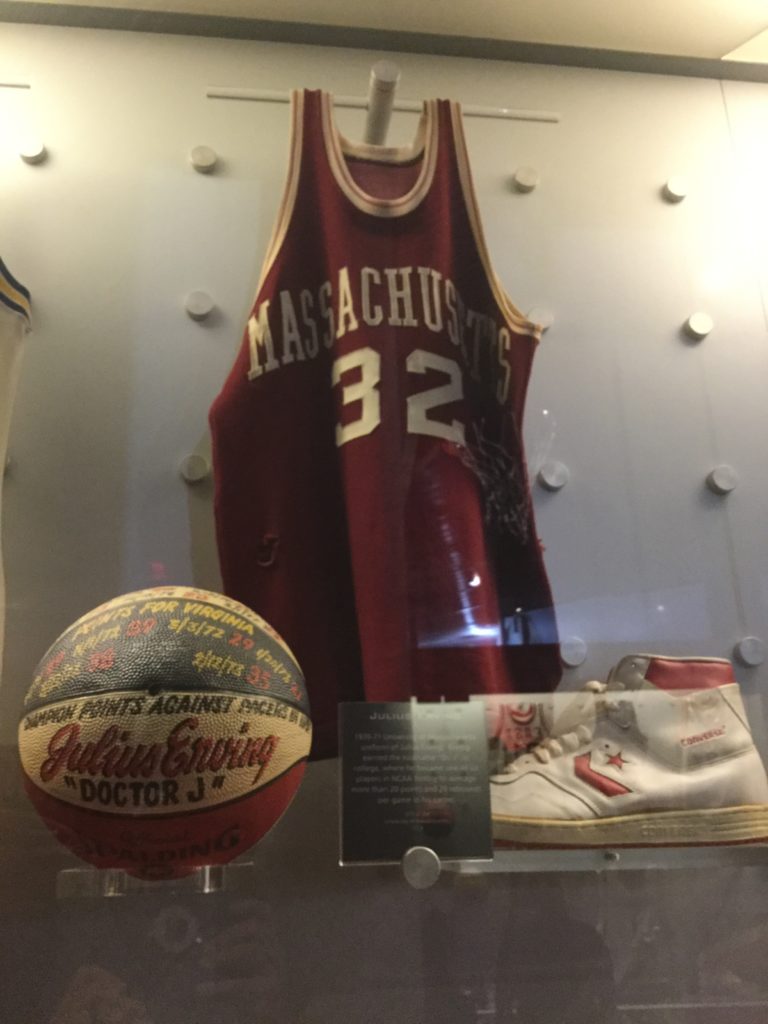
(164, 730)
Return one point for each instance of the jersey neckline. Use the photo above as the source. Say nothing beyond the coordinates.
(424, 145)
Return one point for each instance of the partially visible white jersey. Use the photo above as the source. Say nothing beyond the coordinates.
(14, 324)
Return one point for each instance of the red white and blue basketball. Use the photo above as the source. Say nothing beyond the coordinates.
(164, 730)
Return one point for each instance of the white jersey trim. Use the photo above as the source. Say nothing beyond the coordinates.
(424, 144)
(517, 320)
(285, 210)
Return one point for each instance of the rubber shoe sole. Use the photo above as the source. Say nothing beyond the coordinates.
(710, 827)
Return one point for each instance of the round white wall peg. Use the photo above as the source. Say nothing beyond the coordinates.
(675, 189)
(199, 305)
(750, 650)
(525, 179)
(722, 479)
(33, 151)
(8, 465)
(573, 651)
(541, 316)
(194, 468)
(698, 325)
(553, 475)
(421, 867)
(203, 159)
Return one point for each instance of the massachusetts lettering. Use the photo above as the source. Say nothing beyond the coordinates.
(299, 324)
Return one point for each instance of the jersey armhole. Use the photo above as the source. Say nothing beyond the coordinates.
(285, 210)
(517, 320)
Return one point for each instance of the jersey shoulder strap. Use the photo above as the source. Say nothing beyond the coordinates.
(299, 104)
(452, 128)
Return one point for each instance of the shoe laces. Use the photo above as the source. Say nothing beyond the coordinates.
(568, 741)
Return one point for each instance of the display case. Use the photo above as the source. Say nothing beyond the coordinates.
(573, 757)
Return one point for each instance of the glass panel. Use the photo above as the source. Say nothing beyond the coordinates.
(554, 506)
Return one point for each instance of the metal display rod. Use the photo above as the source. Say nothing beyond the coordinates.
(381, 98)
(216, 92)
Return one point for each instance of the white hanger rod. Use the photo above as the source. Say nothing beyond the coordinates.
(381, 100)
(216, 92)
(15, 85)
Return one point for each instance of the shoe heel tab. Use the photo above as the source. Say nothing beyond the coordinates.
(689, 673)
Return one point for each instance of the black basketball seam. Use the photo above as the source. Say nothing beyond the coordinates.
(144, 691)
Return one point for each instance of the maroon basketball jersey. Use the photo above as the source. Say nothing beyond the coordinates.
(372, 500)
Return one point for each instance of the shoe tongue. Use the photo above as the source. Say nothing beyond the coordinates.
(629, 673)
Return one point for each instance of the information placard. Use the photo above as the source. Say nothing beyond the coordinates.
(414, 775)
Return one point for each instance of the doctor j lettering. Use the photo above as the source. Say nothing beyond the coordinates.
(115, 754)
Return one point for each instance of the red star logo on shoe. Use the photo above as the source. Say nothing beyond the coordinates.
(582, 766)
(616, 760)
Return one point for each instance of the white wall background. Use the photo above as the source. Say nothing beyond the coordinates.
(115, 228)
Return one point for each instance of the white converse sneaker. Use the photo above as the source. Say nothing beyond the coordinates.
(663, 755)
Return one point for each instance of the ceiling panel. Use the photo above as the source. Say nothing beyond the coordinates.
(696, 28)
